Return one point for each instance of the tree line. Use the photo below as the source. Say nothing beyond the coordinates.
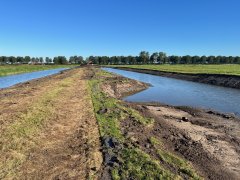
(41, 60)
(144, 57)
(161, 58)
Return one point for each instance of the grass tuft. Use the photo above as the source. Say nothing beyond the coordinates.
(139, 165)
(183, 165)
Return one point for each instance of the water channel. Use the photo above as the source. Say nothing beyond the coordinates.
(183, 93)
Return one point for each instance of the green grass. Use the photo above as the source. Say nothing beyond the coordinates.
(140, 165)
(228, 69)
(183, 165)
(108, 122)
(18, 69)
(136, 116)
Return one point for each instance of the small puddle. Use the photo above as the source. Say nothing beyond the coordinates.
(8, 81)
(183, 93)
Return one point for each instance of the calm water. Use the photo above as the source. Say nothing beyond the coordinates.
(11, 80)
(183, 93)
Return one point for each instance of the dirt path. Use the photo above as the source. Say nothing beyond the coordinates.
(65, 144)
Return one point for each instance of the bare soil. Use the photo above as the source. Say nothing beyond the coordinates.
(211, 142)
(67, 146)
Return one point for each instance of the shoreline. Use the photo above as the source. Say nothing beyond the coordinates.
(206, 138)
(229, 81)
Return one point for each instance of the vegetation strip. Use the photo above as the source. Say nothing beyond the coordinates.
(121, 157)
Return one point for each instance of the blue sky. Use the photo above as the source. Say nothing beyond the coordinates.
(119, 27)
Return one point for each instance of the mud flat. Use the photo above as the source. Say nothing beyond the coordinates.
(231, 81)
(186, 142)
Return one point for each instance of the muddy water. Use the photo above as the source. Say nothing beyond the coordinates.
(183, 93)
(8, 81)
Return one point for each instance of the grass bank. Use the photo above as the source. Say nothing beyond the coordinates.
(18, 138)
(227, 69)
(122, 157)
(6, 70)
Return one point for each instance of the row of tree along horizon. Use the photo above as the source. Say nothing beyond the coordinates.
(143, 58)
(162, 58)
(41, 60)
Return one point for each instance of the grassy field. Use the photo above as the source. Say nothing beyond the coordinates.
(228, 69)
(18, 69)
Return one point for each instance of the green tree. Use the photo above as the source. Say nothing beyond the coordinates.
(203, 60)
(211, 59)
(186, 60)
(144, 57)
(41, 60)
(237, 60)
(47, 60)
(80, 60)
(174, 59)
(27, 59)
(12, 59)
(20, 60)
(60, 60)
(217, 60)
(196, 60)
(72, 60)
(231, 60)
(154, 58)
(1, 60)
(162, 58)
(114, 60)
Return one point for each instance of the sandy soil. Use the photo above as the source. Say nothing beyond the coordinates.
(220, 138)
(68, 145)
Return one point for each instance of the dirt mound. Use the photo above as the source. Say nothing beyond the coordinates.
(119, 87)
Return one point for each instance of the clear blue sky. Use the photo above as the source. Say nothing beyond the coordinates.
(119, 27)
